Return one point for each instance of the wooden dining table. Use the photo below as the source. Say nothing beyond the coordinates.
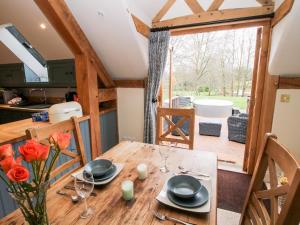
(110, 208)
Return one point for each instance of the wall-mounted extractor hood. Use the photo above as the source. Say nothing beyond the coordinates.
(16, 42)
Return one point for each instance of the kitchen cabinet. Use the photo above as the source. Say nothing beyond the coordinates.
(109, 130)
(7, 115)
(62, 73)
(12, 75)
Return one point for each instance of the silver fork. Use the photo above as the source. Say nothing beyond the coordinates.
(185, 171)
(163, 218)
(195, 176)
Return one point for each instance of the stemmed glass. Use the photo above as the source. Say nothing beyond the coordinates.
(165, 155)
(84, 185)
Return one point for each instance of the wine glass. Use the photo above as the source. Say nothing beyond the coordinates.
(165, 155)
(84, 185)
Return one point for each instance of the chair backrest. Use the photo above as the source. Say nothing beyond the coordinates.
(69, 126)
(276, 203)
(183, 116)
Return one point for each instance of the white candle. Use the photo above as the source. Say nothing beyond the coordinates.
(127, 190)
(142, 171)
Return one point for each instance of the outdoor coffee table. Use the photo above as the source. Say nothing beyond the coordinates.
(213, 108)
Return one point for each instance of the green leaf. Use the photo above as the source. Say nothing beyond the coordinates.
(28, 187)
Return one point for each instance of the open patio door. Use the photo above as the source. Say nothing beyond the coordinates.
(256, 100)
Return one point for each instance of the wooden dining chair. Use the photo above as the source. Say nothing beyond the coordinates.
(279, 202)
(183, 116)
(72, 159)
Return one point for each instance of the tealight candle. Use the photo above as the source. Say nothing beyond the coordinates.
(127, 190)
(142, 171)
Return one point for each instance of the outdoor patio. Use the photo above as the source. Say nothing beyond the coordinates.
(230, 153)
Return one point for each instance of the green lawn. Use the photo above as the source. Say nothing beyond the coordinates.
(238, 102)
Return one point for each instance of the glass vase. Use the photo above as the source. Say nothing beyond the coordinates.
(33, 204)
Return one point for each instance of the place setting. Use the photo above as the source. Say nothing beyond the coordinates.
(103, 171)
(187, 190)
(95, 173)
(186, 193)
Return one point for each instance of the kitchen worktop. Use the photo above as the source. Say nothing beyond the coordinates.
(15, 131)
(8, 107)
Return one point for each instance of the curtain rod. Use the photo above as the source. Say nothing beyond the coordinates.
(212, 22)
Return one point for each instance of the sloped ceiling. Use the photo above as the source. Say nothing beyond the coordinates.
(27, 17)
(107, 25)
(110, 30)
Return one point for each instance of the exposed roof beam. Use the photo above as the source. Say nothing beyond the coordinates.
(215, 5)
(61, 18)
(163, 11)
(194, 6)
(265, 2)
(214, 16)
(141, 27)
(282, 11)
(223, 26)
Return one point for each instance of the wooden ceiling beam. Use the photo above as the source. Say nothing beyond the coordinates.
(265, 2)
(61, 18)
(215, 16)
(219, 27)
(163, 11)
(130, 83)
(140, 26)
(282, 11)
(215, 5)
(194, 6)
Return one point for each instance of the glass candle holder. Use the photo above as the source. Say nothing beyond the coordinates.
(127, 190)
(142, 171)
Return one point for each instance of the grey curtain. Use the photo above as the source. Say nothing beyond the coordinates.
(158, 51)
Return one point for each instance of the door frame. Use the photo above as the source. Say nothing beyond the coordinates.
(263, 85)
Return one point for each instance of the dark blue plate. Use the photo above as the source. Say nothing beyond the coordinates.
(184, 186)
(106, 176)
(200, 199)
(98, 168)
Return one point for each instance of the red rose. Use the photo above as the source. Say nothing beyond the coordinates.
(9, 162)
(61, 139)
(6, 151)
(33, 150)
(18, 174)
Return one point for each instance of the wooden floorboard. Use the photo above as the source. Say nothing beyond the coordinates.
(225, 149)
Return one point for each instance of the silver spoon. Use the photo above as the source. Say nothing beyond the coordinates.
(163, 218)
(184, 171)
(74, 198)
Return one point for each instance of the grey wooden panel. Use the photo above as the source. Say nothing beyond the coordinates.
(7, 204)
(85, 131)
(109, 130)
(62, 73)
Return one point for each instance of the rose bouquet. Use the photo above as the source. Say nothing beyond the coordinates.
(29, 185)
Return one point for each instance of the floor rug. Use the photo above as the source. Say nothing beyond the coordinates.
(232, 190)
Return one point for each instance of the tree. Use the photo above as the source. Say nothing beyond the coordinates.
(240, 65)
(201, 53)
(250, 57)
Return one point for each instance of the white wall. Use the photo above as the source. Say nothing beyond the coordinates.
(131, 113)
(284, 60)
(286, 121)
(285, 46)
